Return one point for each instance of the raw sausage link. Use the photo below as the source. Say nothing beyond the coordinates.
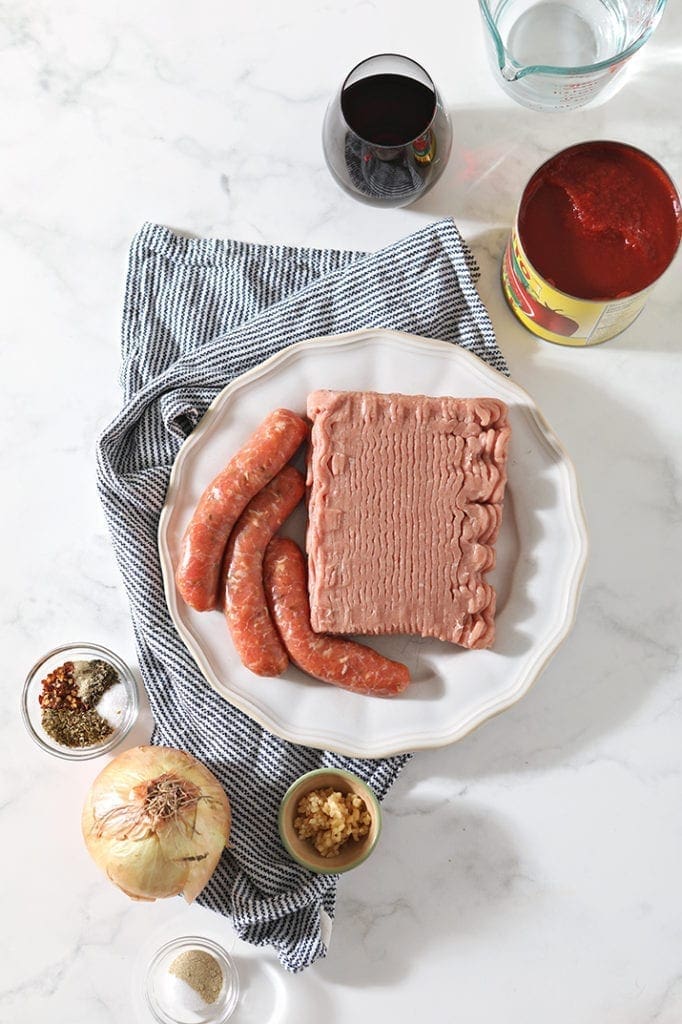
(334, 660)
(268, 449)
(254, 635)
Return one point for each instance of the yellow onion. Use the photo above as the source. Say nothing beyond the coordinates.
(156, 821)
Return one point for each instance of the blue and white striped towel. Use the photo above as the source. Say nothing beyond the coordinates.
(197, 313)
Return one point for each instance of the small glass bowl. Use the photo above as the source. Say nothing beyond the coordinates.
(352, 853)
(119, 705)
(159, 994)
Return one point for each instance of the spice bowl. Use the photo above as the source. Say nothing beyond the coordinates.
(353, 851)
(192, 980)
(118, 705)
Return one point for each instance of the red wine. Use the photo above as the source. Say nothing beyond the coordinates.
(388, 110)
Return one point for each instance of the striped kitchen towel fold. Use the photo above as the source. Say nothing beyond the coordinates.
(197, 313)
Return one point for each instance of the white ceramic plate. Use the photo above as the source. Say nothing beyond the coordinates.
(541, 553)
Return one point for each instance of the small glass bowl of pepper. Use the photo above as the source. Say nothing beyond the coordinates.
(79, 701)
(192, 980)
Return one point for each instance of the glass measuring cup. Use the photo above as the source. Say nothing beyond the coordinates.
(559, 54)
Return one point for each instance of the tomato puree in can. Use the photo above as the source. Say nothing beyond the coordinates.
(597, 225)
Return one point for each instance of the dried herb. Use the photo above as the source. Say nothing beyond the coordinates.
(68, 699)
(75, 728)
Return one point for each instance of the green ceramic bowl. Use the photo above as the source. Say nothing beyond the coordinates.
(351, 853)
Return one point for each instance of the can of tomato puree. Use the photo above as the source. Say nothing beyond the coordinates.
(597, 225)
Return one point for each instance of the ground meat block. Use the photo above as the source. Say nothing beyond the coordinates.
(405, 506)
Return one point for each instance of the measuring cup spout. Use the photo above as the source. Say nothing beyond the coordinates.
(558, 56)
(510, 71)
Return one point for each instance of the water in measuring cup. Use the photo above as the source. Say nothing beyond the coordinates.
(570, 34)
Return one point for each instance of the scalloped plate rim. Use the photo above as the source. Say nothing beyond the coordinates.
(488, 710)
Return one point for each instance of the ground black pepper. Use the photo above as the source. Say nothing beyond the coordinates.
(92, 679)
(201, 971)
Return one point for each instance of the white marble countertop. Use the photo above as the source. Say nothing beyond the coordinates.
(528, 873)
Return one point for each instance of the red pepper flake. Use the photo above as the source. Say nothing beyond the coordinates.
(60, 690)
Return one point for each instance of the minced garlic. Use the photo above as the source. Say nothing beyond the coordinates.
(329, 819)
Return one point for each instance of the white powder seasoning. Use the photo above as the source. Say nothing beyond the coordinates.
(113, 703)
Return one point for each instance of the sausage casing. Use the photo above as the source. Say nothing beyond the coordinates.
(254, 635)
(334, 660)
(203, 545)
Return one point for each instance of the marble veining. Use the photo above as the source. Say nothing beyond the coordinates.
(528, 873)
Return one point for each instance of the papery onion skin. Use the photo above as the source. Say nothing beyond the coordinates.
(159, 862)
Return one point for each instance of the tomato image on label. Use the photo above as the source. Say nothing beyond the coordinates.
(552, 320)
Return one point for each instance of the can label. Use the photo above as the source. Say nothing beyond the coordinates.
(424, 148)
(556, 316)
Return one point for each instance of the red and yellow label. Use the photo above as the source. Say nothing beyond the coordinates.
(556, 316)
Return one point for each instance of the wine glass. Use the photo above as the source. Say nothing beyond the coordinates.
(386, 134)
